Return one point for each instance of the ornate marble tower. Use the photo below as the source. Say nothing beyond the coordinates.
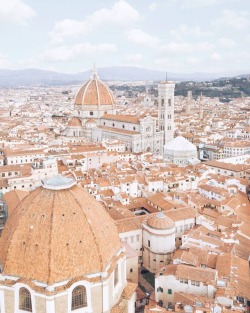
(166, 109)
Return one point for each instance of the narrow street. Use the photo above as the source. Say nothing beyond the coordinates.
(144, 282)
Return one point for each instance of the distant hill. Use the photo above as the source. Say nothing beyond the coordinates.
(137, 73)
(29, 77)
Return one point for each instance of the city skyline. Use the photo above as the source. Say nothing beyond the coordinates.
(178, 36)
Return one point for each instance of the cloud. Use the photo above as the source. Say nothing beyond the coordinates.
(134, 57)
(153, 6)
(67, 28)
(215, 56)
(65, 53)
(243, 55)
(170, 65)
(4, 62)
(233, 19)
(15, 11)
(226, 43)
(196, 4)
(121, 14)
(186, 47)
(184, 31)
(28, 62)
(139, 37)
(193, 60)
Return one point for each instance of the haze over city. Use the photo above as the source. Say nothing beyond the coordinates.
(183, 36)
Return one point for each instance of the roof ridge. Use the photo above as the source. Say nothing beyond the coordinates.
(50, 239)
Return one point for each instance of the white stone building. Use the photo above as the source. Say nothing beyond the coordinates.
(186, 279)
(180, 151)
(158, 241)
(236, 148)
(14, 155)
(156, 237)
(27, 177)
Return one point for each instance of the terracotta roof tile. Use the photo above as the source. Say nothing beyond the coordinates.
(79, 234)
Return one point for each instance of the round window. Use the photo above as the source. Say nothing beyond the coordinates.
(91, 113)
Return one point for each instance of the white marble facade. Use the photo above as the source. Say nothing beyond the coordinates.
(95, 108)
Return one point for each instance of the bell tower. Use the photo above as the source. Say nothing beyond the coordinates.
(166, 109)
(188, 102)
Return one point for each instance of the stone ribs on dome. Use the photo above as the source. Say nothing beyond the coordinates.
(56, 235)
(94, 92)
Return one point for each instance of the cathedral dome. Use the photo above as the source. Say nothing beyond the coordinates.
(94, 92)
(56, 233)
(160, 221)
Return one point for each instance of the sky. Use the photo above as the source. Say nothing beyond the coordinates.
(178, 36)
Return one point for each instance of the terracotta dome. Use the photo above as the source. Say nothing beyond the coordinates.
(90, 121)
(94, 92)
(160, 221)
(56, 233)
(75, 122)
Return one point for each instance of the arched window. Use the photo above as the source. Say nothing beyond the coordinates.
(25, 300)
(79, 298)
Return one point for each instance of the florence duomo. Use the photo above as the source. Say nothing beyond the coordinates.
(124, 188)
(96, 119)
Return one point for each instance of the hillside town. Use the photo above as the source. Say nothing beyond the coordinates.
(172, 173)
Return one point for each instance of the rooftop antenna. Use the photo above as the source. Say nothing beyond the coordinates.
(166, 76)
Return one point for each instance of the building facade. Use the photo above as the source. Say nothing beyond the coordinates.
(96, 118)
